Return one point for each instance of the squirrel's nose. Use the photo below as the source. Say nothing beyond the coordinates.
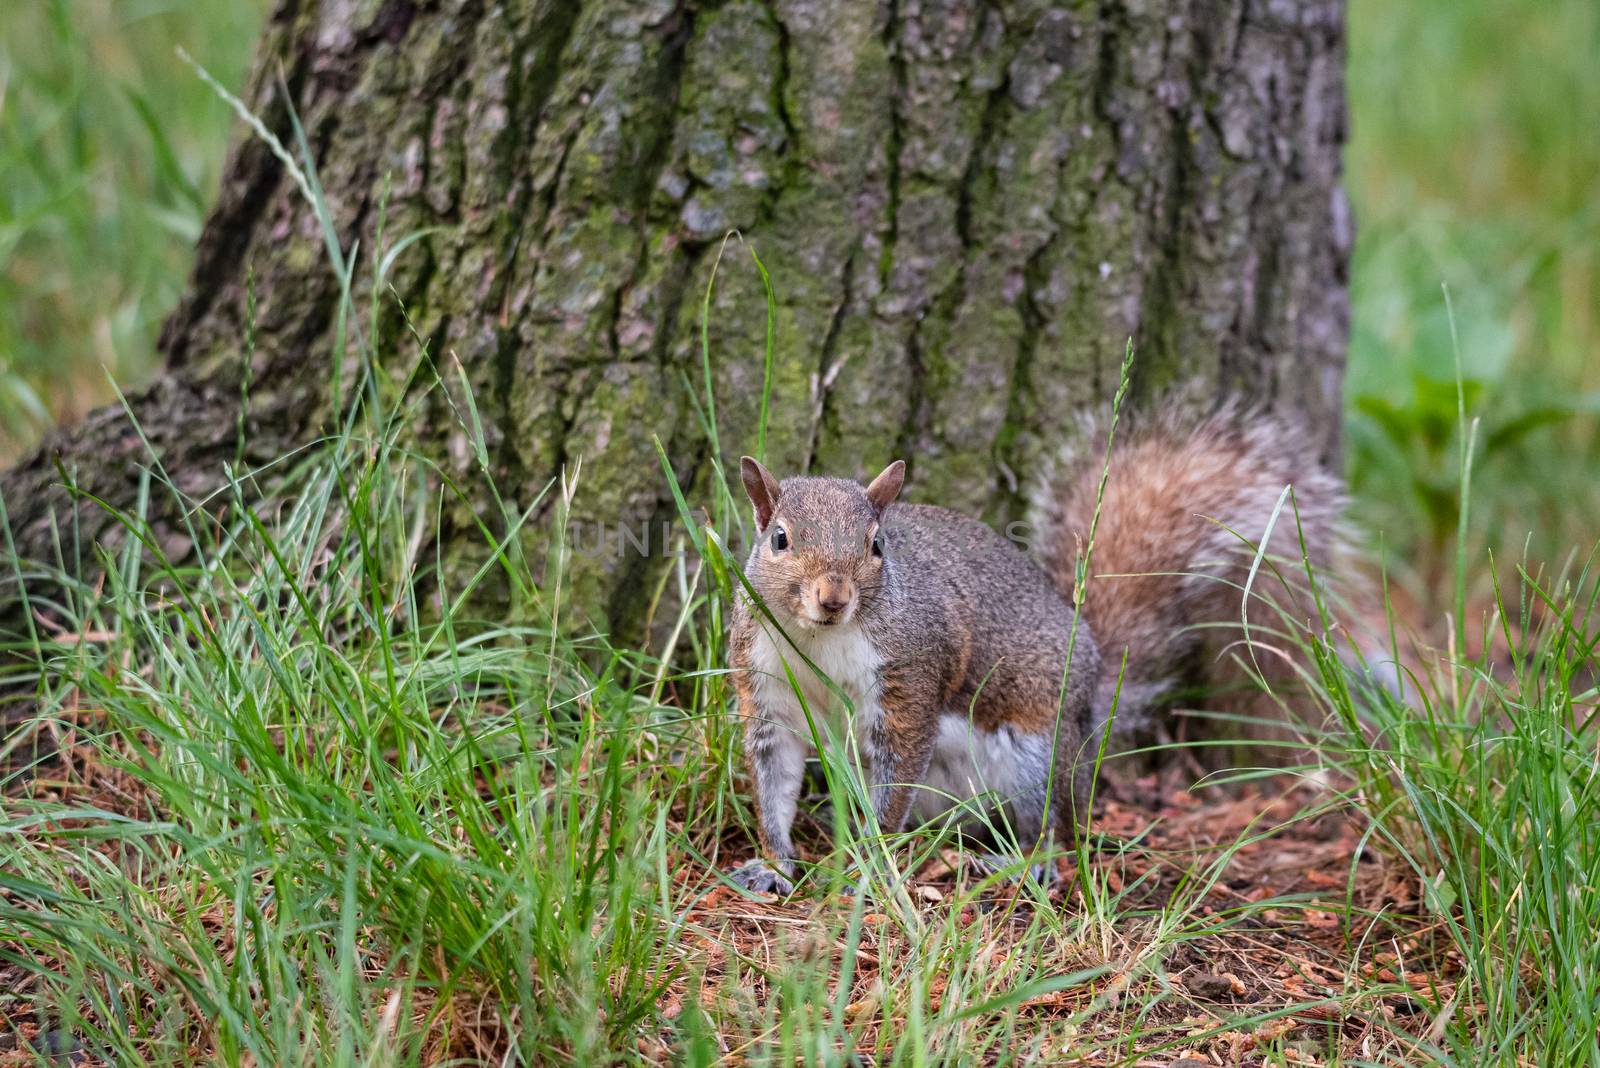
(833, 594)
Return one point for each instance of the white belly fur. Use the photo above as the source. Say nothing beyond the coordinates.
(1011, 765)
(843, 654)
(967, 761)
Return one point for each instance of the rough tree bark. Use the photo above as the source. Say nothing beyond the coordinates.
(967, 207)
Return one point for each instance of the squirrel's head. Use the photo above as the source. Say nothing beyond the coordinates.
(820, 550)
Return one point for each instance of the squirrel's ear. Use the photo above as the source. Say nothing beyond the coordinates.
(886, 487)
(761, 488)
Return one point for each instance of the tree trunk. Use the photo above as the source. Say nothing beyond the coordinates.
(967, 208)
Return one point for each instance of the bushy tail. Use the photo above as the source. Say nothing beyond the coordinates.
(1187, 501)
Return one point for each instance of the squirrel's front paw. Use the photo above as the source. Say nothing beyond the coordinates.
(761, 878)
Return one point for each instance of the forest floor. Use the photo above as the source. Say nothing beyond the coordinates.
(1331, 958)
(1304, 944)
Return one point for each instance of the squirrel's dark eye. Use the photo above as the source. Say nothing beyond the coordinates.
(877, 545)
(780, 540)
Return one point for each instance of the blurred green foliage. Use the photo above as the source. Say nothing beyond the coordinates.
(1473, 163)
(110, 152)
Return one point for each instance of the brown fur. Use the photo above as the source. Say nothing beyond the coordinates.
(1186, 504)
(967, 633)
(961, 622)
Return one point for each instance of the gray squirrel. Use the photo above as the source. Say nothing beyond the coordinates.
(951, 642)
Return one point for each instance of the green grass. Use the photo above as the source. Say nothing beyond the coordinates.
(110, 153)
(1473, 164)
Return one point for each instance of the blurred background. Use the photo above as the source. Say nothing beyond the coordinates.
(1474, 167)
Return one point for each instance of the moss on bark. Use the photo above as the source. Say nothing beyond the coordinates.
(967, 208)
